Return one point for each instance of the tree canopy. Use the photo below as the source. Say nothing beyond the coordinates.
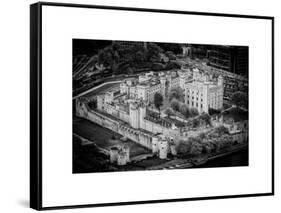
(206, 118)
(169, 112)
(117, 57)
(193, 112)
(240, 99)
(158, 100)
(175, 105)
(221, 130)
(184, 110)
(176, 93)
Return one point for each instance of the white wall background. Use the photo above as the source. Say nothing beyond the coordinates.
(14, 105)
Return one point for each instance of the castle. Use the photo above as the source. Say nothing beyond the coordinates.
(126, 110)
(120, 155)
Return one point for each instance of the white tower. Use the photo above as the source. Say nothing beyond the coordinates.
(154, 144)
(163, 149)
(134, 115)
(142, 114)
(196, 74)
(220, 81)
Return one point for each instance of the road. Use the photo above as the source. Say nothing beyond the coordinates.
(101, 87)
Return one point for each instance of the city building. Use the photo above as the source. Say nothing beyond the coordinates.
(127, 109)
(232, 59)
(128, 44)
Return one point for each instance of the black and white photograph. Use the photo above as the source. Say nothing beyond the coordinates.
(142, 105)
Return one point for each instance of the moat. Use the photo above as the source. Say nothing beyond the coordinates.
(89, 158)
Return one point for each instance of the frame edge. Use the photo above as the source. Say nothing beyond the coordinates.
(35, 108)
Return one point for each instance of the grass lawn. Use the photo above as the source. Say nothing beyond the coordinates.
(103, 137)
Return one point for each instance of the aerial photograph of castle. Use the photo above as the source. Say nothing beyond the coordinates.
(155, 106)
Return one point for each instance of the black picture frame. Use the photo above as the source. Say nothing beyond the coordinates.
(36, 103)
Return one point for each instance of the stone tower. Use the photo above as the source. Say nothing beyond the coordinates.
(163, 85)
(81, 109)
(220, 81)
(163, 149)
(155, 145)
(182, 76)
(196, 74)
(134, 115)
(142, 114)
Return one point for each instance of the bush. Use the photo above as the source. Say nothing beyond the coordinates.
(193, 112)
(213, 111)
(195, 123)
(240, 99)
(170, 55)
(184, 147)
(175, 105)
(172, 65)
(157, 67)
(169, 112)
(176, 93)
(196, 148)
(206, 118)
(184, 110)
(221, 130)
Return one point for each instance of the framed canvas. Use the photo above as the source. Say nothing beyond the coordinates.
(135, 106)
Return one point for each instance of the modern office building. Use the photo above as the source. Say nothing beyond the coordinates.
(232, 59)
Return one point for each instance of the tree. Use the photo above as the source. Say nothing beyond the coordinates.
(153, 52)
(109, 58)
(202, 135)
(206, 118)
(184, 110)
(195, 123)
(193, 112)
(240, 99)
(213, 111)
(170, 55)
(196, 145)
(183, 147)
(176, 93)
(158, 101)
(175, 105)
(196, 148)
(92, 104)
(172, 65)
(207, 147)
(226, 141)
(169, 112)
(174, 47)
(221, 130)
